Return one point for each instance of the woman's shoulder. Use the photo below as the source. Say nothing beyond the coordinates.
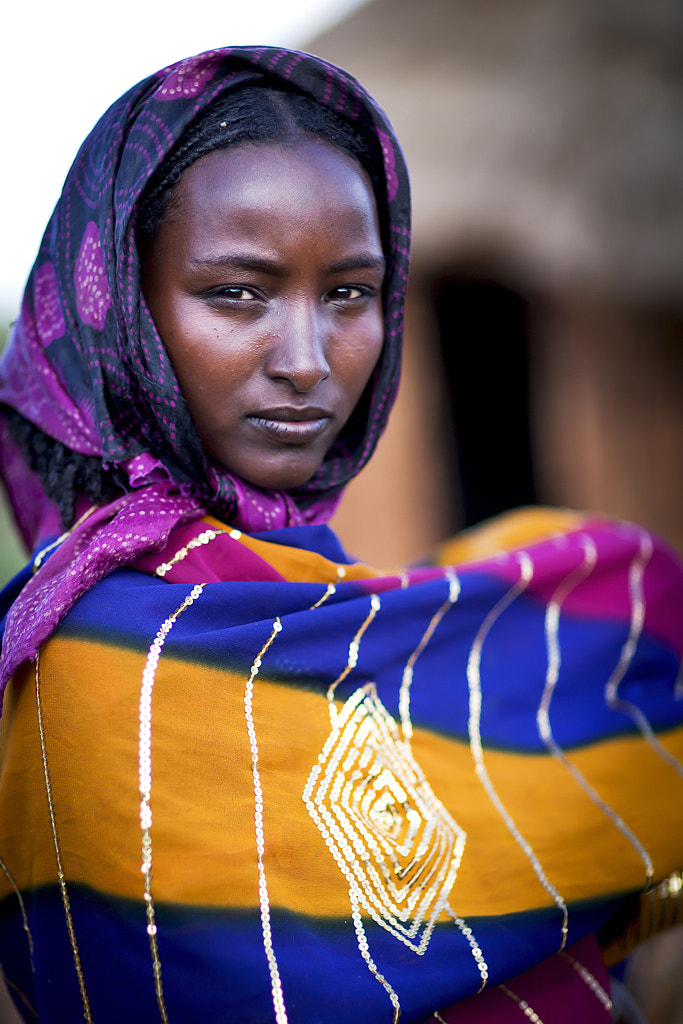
(210, 551)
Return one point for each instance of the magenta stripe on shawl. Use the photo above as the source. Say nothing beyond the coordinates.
(554, 991)
(225, 559)
(622, 553)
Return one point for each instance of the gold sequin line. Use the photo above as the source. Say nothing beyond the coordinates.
(407, 679)
(364, 950)
(335, 840)
(474, 682)
(354, 894)
(475, 949)
(407, 728)
(197, 542)
(264, 902)
(38, 560)
(552, 626)
(330, 589)
(22, 908)
(354, 648)
(590, 980)
(527, 1010)
(58, 853)
(145, 784)
(614, 701)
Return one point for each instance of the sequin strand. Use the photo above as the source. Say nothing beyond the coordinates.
(351, 662)
(58, 853)
(22, 908)
(475, 948)
(276, 985)
(552, 627)
(527, 1010)
(145, 783)
(407, 679)
(590, 980)
(407, 728)
(203, 538)
(264, 902)
(615, 702)
(364, 950)
(474, 682)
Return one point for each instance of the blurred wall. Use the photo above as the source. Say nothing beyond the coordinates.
(545, 150)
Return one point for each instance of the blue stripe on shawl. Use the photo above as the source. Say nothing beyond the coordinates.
(512, 674)
(226, 949)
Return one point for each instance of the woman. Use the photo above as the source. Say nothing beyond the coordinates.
(245, 778)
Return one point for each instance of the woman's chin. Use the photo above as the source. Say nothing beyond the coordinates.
(272, 476)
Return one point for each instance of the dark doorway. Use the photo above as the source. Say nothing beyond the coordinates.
(483, 335)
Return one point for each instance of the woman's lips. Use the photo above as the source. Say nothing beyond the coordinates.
(295, 426)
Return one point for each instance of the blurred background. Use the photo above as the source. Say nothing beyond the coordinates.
(544, 350)
(544, 343)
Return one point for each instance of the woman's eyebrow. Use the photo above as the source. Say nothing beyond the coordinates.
(272, 265)
(364, 261)
(240, 261)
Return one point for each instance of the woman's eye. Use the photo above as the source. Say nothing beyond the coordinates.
(346, 292)
(231, 296)
(235, 293)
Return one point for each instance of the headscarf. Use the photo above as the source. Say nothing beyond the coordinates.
(85, 362)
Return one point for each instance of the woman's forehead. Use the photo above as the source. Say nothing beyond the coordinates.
(276, 205)
(249, 170)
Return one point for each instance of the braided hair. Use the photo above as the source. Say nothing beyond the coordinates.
(64, 473)
(254, 114)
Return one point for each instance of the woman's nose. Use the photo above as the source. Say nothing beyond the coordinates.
(297, 354)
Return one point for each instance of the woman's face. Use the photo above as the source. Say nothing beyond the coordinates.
(264, 281)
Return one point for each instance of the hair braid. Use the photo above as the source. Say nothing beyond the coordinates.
(64, 473)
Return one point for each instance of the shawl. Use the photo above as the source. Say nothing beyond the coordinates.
(383, 791)
(86, 364)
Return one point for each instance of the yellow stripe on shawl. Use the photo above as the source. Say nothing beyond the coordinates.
(202, 794)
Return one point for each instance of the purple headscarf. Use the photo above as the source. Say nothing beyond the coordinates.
(85, 362)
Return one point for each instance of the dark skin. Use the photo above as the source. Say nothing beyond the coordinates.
(265, 281)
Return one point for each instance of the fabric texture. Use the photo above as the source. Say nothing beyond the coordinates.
(86, 364)
(498, 757)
